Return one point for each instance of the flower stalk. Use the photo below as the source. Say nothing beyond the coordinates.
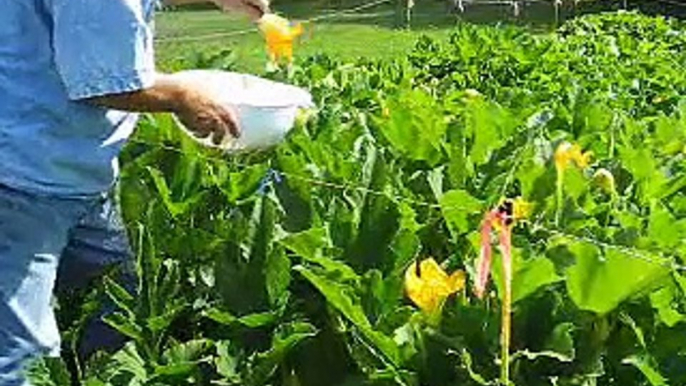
(502, 220)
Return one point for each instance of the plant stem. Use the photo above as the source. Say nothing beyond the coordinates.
(559, 197)
(506, 317)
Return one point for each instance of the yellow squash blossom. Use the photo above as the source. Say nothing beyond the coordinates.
(512, 210)
(428, 285)
(279, 34)
(521, 209)
(568, 153)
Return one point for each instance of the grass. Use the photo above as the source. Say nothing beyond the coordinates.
(369, 34)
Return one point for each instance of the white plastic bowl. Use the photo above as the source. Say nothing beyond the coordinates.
(266, 109)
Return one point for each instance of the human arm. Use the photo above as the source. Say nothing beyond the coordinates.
(104, 56)
(197, 111)
(253, 8)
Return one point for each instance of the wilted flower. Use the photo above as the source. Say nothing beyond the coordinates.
(471, 93)
(605, 180)
(501, 219)
(279, 34)
(428, 285)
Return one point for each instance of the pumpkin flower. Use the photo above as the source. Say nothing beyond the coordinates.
(279, 34)
(567, 154)
(428, 285)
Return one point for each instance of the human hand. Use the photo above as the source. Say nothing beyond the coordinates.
(253, 8)
(204, 117)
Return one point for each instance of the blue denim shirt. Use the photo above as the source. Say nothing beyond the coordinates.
(54, 54)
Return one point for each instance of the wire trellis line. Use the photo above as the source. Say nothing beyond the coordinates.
(663, 260)
(180, 39)
(515, 4)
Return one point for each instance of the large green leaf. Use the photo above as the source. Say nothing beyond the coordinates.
(240, 273)
(663, 229)
(599, 282)
(310, 246)
(277, 275)
(457, 206)
(415, 126)
(645, 366)
(338, 297)
(532, 274)
(528, 275)
(239, 185)
(286, 338)
(665, 301)
(490, 125)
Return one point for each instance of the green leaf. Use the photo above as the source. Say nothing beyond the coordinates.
(161, 322)
(490, 125)
(644, 365)
(251, 321)
(639, 161)
(227, 362)
(532, 274)
(457, 206)
(45, 371)
(529, 275)
(310, 245)
(307, 244)
(175, 208)
(561, 341)
(120, 296)
(237, 186)
(337, 296)
(415, 125)
(278, 275)
(599, 283)
(129, 361)
(240, 275)
(376, 220)
(190, 351)
(662, 229)
(125, 325)
(664, 301)
(286, 338)
(258, 319)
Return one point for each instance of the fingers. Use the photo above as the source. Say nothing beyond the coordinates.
(223, 124)
(259, 7)
(207, 119)
(231, 122)
(250, 8)
(199, 131)
(255, 9)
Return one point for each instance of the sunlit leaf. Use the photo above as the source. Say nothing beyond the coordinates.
(599, 282)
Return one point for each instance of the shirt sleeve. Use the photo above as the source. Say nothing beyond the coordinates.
(103, 47)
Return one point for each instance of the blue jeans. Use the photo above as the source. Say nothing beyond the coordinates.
(38, 235)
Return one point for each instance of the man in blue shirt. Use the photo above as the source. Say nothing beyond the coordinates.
(73, 75)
